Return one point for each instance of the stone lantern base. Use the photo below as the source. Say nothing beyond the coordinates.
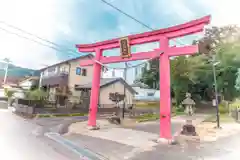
(188, 129)
(187, 134)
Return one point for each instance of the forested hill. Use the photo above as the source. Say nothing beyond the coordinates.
(16, 71)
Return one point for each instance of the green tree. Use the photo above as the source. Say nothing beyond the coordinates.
(194, 74)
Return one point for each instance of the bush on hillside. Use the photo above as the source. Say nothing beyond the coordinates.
(8, 93)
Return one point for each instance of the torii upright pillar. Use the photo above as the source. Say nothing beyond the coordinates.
(163, 36)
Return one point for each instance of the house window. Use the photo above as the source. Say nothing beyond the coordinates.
(78, 71)
(81, 71)
(84, 72)
(136, 72)
(52, 70)
(63, 69)
(150, 94)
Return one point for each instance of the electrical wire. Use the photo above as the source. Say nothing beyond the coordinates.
(135, 66)
(136, 20)
(43, 39)
(133, 18)
(38, 37)
(30, 39)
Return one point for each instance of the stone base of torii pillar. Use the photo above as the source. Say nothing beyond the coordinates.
(97, 127)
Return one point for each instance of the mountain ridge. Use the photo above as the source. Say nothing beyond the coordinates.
(17, 71)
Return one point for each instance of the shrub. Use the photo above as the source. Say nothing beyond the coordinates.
(222, 108)
(180, 109)
(36, 94)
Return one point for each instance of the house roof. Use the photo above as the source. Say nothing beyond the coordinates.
(104, 82)
(66, 61)
(141, 85)
(29, 79)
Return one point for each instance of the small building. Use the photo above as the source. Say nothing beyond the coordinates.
(107, 86)
(29, 82)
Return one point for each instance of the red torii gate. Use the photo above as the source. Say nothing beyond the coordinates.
(163, 36)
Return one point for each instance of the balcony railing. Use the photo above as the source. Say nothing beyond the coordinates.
(53, 74)
(60, 79)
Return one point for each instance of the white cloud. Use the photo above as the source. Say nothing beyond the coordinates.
(170, 8)
(223, 12)
(34, 17)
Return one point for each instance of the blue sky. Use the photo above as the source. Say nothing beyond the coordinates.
(70, 22)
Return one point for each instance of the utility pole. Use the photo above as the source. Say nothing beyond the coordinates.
(7, 61)
(124, 89)
(214, 63)
(41, 76)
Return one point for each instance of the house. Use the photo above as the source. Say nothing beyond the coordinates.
(29, 82)
(107, 86)
(60, 79)
(68, 81)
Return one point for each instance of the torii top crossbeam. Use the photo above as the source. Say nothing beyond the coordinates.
(152, 36)
(188, 28)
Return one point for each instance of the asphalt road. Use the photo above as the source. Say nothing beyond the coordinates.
(155, 127)
(19, 142)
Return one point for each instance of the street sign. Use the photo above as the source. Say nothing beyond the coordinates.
(125, 47)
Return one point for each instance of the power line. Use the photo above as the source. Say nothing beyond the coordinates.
(126, 14)
(31, 40)
(135, 66)
(36, 36)
(133, 18)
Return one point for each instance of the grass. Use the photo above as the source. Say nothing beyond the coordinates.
(60, 115)
(140, 104)
(224, 118)
(153, 117)
(147, 117)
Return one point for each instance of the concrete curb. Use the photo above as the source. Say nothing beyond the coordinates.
(59, 115)
(82, 152)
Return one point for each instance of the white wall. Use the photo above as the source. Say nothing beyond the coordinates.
(26, 84)
(2, 93)
(146, 94)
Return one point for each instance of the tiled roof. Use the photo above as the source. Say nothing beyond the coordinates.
(62, 62)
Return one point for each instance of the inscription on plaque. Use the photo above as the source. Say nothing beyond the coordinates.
(125, 48)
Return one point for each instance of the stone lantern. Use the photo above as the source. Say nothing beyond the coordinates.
(188, 129)
(188, 103)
